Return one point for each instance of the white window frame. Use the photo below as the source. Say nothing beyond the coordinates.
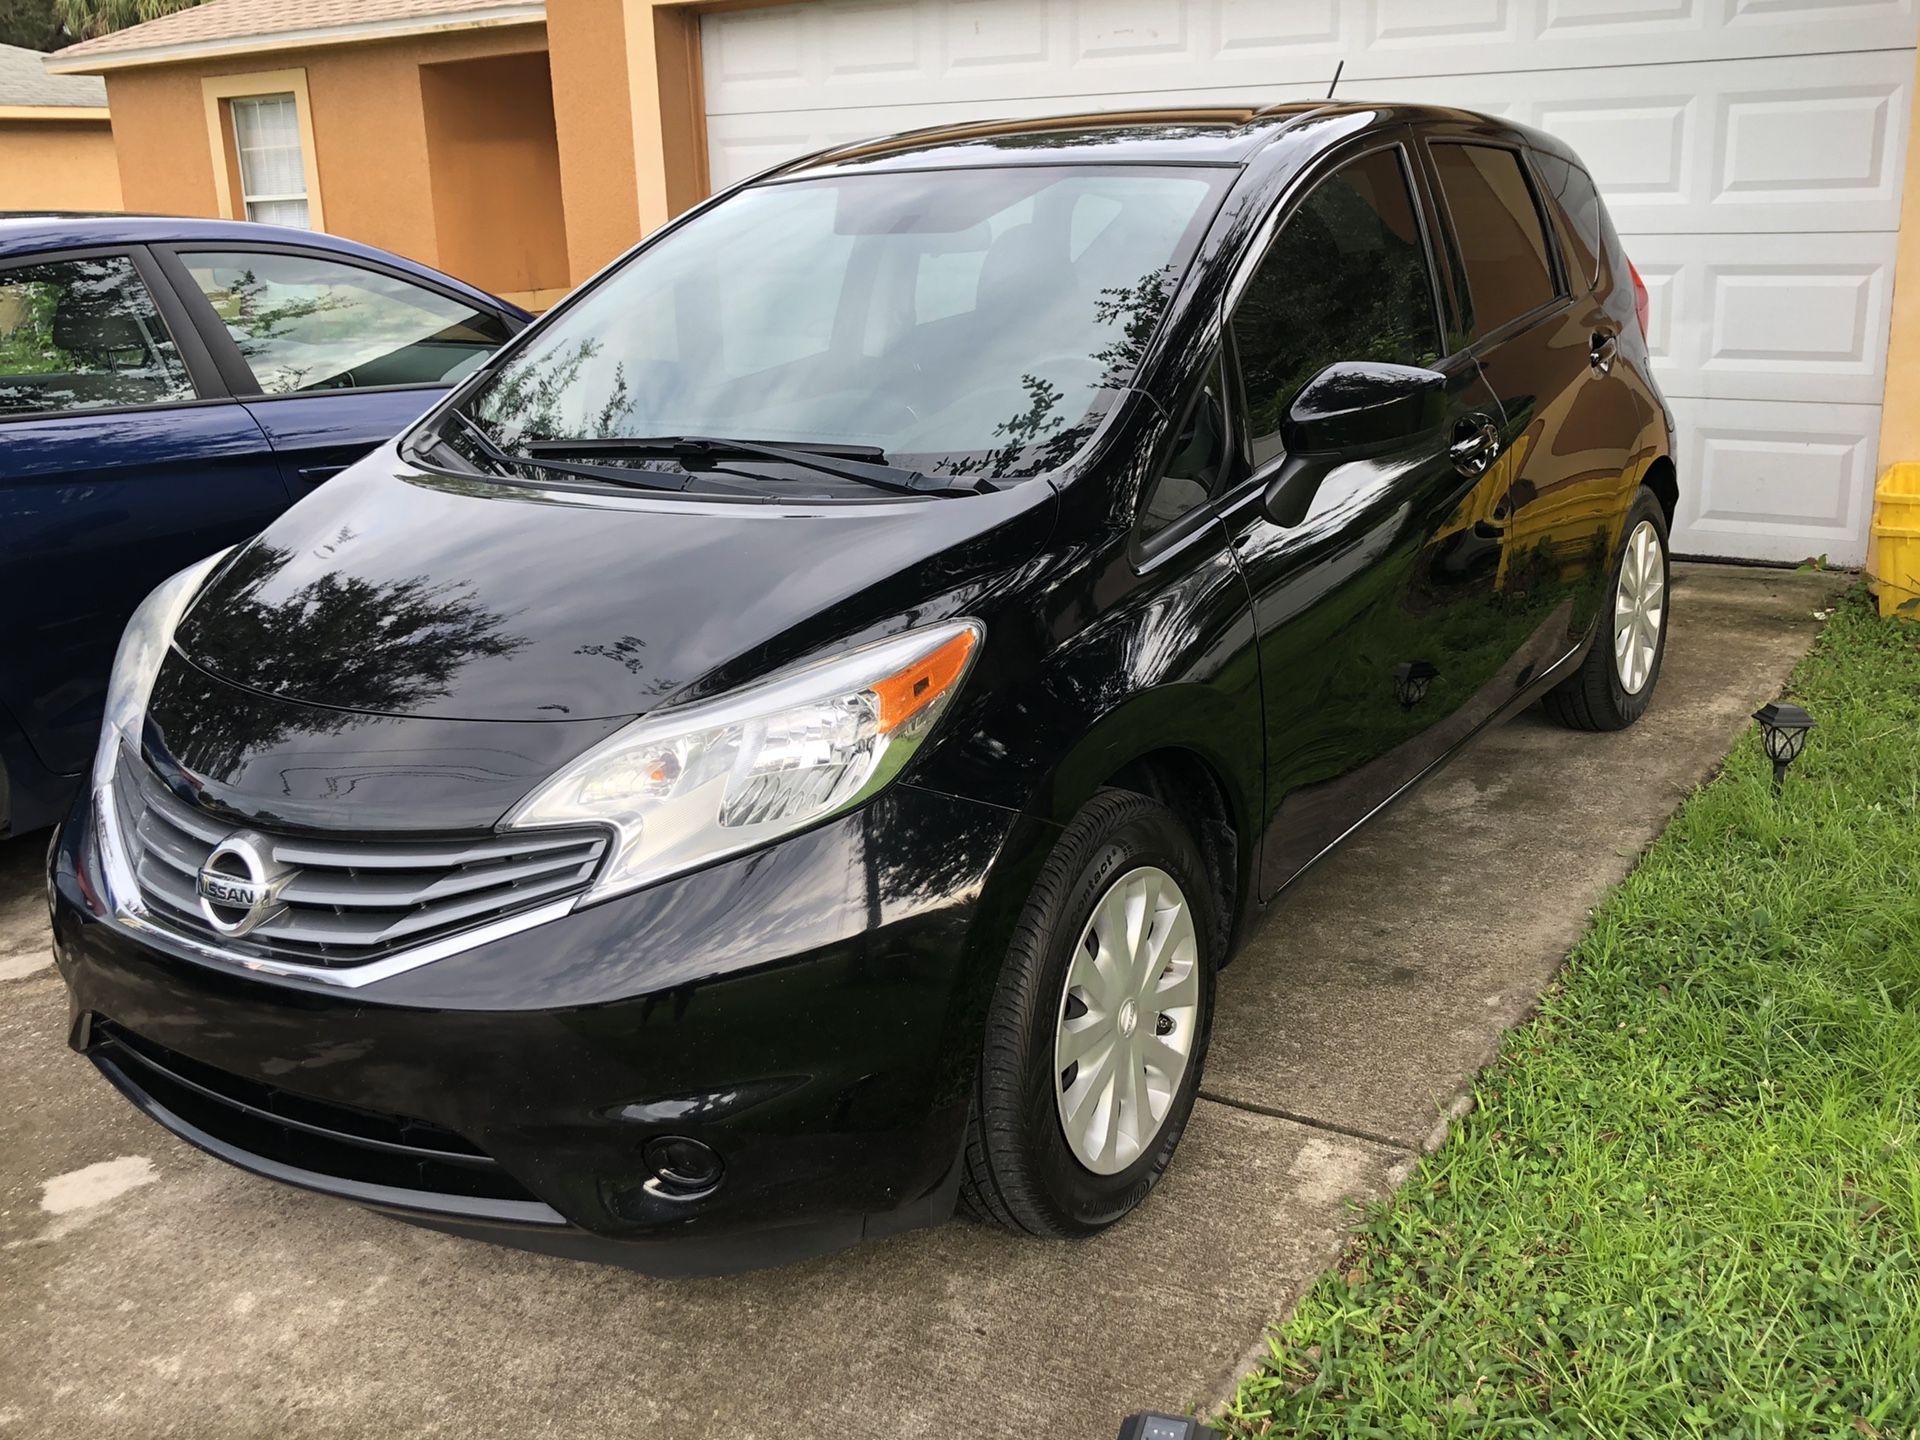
(248, 199)
(218, 92)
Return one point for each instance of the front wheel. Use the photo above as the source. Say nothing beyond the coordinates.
(1098, 1028)
(1614, 684)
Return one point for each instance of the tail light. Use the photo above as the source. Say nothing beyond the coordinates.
(1639, 297)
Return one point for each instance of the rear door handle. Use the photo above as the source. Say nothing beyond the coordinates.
(1476, 441)
(1602, 347)
(314, 474)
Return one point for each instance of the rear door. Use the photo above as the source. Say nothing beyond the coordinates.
(1380, 642)
(1546, 345)
(122, 460)
(332, 356)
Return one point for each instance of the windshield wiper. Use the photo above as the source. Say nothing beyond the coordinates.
(861, 463)
(503, 461)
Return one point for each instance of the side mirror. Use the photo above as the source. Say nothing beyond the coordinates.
(1350, 410)
(1357, 406)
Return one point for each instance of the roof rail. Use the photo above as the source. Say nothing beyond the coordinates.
(1200, 115)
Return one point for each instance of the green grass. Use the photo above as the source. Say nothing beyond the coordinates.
(1688, 1199)
(25, 345)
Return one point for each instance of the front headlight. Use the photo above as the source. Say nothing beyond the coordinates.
(143, 645)
(688, 786)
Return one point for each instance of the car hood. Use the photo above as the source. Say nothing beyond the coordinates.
(394, 591)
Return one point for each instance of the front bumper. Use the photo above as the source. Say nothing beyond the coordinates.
(811, 1013)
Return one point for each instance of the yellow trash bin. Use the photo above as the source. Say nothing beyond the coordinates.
(1894, 562)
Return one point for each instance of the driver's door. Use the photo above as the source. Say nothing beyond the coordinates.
(1381, 640)
(331, 358)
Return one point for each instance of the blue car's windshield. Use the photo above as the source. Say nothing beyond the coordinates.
(972, 322)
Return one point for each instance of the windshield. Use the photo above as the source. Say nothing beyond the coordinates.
(973, 323)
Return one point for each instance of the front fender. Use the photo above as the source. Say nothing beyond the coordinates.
(1104, 666)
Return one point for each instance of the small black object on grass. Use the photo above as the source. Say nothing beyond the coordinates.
(1784, 728)
(1410, 681)
(1145, 1425)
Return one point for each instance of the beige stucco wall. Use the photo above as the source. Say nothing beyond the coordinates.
(58, 165)
(670, 112)
(632, 117)
(592, 113)
(495, 172)
(369, 123)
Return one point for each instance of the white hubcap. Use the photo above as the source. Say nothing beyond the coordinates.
(1639, 608)
(1126, 1021)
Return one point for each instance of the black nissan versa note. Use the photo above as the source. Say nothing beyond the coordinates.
(784, 749)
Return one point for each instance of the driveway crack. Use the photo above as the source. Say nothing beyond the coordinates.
(1310, 1121)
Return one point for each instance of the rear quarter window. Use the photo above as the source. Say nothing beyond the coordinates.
(1575, 197)
(1497, 222)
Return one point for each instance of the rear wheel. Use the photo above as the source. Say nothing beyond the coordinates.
(1614, 684)
(1098, 1028)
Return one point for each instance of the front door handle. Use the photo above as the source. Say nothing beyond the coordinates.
(1602, 347)
(314, 474)
(1476, 441)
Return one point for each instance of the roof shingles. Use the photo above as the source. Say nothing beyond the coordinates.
(23, 81)
(228, 20)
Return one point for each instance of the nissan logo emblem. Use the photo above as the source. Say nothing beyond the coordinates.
(239, 886)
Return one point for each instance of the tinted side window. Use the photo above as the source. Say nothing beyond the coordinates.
(83, 335)
(1193, 468)
(1498, 224)
(308, 324)
(1345, 279)
(1572, 190)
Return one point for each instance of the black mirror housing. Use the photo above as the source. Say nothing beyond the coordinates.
(1349, 411)
(1355, 407)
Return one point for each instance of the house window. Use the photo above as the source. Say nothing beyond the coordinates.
(273, 177)
(260, 133)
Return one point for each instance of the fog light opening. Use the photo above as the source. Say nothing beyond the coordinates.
(683, 1169)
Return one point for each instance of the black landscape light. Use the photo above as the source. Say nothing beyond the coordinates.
(1784, 728)
(1410, 681)
(1145, 1425)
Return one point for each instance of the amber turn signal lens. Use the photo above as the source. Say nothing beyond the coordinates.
(905, 693)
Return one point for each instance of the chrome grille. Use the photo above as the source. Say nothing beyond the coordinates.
(344, 900)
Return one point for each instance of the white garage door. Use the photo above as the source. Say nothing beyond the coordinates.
(1751, 151)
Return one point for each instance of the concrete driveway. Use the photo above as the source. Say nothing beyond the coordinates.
(148, 1291)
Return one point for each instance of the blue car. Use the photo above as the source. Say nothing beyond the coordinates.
(168, 386)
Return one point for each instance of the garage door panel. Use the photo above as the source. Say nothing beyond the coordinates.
(1004, 35)
(758, 50)
(1802, 148)
(1768, 317)
(1775, 482)
(1305, 30)
(1642, 146)
(1125, 34)
(791, 58)
(1665, 18)
(1437, 26)
(880, 39)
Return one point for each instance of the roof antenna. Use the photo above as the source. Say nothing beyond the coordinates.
(1336, 78)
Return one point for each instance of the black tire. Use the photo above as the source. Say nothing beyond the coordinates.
(1593, 697)
(1019, 1169)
